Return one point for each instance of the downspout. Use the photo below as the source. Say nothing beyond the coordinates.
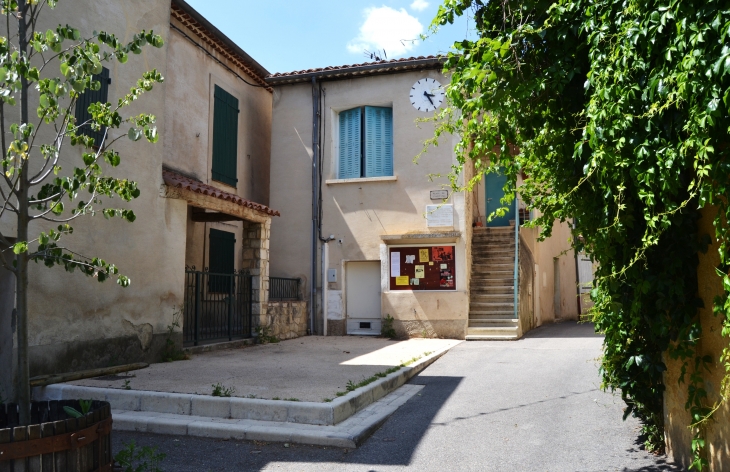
(315, 203)
(517, 252)
(325, 282)
(577, 272)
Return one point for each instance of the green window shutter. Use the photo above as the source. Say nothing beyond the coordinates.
(378, 141)
(225, 137)
(350, 144)
(221, 259)
(87, 98)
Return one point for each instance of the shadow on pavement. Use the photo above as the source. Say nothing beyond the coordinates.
(390, 445)
(564, 329)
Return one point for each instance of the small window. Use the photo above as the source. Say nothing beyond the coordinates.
(221, 260)
(225, 137)
(87, 98)
(366, 142)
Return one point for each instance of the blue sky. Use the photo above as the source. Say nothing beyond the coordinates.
(288, 35)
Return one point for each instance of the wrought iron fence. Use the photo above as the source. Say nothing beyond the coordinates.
(281, 288)
(217, 306)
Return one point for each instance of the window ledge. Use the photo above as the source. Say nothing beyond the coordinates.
(389, 178)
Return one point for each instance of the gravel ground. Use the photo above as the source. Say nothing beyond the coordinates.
(530, 405)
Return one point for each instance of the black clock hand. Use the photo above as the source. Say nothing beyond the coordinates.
(428, 95)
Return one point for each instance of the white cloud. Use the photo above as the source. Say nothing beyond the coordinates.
(419, 5)
(389, 29)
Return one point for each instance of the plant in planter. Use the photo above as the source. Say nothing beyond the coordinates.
(53, 70)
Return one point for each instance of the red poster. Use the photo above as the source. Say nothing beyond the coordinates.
(442, 253)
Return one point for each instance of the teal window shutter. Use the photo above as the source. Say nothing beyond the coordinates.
(350, 144)
(87, 98)
(221, 259)
(378, 141)
(225, 137)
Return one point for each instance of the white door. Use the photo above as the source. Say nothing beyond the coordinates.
(363, 297)
(585, 281)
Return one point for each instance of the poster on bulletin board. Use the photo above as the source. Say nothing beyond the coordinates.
(422, 268)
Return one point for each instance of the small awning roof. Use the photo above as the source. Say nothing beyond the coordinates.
(175, 180)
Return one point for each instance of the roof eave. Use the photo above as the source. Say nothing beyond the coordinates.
(359, 71)
(261, 70)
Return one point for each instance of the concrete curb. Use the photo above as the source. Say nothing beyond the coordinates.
(349, 434)
(312, 413)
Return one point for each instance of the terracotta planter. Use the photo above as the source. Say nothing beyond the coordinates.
(54, 441)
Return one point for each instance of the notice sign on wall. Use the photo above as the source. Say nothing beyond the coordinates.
(423, 268)
(439, 215)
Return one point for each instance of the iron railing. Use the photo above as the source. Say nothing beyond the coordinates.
(217, 306)
(281, 288)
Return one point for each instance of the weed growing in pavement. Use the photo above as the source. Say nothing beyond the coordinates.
(145, 459)
(351, 386)
(386, 328)
(341, 394)
(292, 399)
(171, 352)
(250, 395)
(264, 335)
(126, 385)
(276, 398)
(222, 391)
(327, 400)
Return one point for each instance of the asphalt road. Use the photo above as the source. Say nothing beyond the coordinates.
(529, 405)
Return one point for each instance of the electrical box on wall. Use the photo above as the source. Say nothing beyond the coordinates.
(331, 275)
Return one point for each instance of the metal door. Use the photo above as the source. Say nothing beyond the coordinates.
(585, 281)
(494, 184)
(363, 297)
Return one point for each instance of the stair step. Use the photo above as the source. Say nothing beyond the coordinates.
(493, 318)
(502, 313)
(492, 323)
(483, 282)
(495, 333)
(492, 297)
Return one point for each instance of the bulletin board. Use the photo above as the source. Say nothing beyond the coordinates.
(422, 268)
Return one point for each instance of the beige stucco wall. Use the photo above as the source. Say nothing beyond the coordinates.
(677, 434)
(357, 213)
(188, 140)
(75, 321)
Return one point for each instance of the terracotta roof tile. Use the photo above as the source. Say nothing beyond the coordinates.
(175, 180)
(373, 67)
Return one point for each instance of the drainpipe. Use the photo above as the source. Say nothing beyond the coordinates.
(315, 203)
(325, 283)
(577, 272)
(517, 251)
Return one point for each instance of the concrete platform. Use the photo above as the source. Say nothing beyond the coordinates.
(308, 369)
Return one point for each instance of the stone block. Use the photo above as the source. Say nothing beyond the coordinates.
(128, 400)
(212, 407)
(165, 425)
(259, 410)
(163, 402)
(207, 429)
(309, 413)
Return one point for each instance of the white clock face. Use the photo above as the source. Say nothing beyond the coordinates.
(426, 95)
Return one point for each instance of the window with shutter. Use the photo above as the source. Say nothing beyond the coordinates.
(225, 137)
(350, 144)
(378, 141)
(221, 260)
(89, 96)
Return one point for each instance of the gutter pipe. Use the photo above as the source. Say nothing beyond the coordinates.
(315, 203)
(517, 253)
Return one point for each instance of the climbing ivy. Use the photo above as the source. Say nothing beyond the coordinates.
(616, 115)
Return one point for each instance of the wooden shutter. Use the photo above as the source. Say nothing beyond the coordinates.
(378, 141)
(221, 259)
(225, 137)
(350, 144)
(87, 98)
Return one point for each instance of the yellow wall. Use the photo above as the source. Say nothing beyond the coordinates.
(676, 418)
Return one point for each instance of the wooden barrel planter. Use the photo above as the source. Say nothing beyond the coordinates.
(56, 442)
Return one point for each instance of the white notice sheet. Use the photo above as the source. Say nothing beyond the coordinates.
(395, 264)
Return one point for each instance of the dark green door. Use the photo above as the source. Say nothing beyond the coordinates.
(494, 184)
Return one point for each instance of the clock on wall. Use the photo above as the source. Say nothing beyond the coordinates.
(427, 95)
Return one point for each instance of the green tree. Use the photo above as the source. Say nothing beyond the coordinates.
(616, 113)
(53, 69)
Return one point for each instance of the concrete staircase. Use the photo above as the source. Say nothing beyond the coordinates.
(491, 305)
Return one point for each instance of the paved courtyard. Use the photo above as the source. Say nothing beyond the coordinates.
(529, 405)
(311, 368)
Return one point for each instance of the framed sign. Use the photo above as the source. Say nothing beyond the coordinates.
(422, 268)
(439, 215)
(439, 194)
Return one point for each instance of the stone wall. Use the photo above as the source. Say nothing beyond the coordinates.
(255, 255)
(286, 319)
